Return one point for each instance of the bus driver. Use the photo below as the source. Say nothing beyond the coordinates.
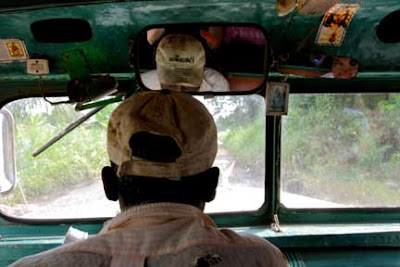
(162, 145)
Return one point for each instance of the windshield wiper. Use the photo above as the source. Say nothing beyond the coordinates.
(97, 106)
(68, 129)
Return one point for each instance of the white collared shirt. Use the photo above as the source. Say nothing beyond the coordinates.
(162, 234)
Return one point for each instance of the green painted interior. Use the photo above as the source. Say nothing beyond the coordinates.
(115, 24)
(307, 239)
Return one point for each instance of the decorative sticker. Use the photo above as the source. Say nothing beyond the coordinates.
(15, 49)
(12, 50)
(333, 27)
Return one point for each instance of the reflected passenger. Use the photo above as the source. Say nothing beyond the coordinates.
(180, 61)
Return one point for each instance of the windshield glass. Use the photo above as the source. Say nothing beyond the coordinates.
(64, 181)
(341, 150)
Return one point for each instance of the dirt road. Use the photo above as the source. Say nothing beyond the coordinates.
(88, 200)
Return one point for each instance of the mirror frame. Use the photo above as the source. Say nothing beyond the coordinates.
(8, 151)
(134, 51)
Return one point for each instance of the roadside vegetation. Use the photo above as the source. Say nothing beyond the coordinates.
(339, 148)
(241, 130)
(343, 148)
(75, 159)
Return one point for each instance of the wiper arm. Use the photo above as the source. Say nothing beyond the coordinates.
(67, 130)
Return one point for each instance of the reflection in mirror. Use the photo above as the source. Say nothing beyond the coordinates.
(199, 58)
(7, 154)
(344, 67)
(284, 7)
(324, 66)
(5, 185)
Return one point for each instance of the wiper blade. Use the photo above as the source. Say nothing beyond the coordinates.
(67, 130)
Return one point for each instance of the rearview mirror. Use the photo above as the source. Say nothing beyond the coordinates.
(8, 178)
(201, 58)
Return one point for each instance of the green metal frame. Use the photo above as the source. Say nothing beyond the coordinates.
(294, 34)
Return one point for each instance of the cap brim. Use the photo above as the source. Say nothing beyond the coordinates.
(189, 77)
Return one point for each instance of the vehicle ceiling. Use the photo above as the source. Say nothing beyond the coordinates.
(114, 24)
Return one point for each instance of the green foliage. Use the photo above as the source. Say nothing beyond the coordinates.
(241, 124)
(246, 142)
(230, 111)
(76, 158)
(348, 143)
(390, 104)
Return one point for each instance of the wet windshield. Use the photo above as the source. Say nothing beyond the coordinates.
(341, 150)
(64, 181)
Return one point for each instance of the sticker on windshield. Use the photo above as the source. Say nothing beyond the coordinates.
(334, 25)
(12, 50)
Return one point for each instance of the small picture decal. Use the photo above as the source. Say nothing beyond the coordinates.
(15, 49)
(12, 50)
(277, 98)
(334, 24)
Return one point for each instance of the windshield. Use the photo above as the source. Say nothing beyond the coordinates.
(64, 181)
(341, 150)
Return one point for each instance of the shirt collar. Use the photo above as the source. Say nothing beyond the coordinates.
(155, 214)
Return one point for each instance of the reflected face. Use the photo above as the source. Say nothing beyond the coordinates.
(344, 67)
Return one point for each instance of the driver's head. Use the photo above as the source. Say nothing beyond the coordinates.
(180, 60)
(162, 145)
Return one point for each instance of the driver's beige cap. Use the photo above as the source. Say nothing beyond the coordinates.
(164, 113)
(180, 60)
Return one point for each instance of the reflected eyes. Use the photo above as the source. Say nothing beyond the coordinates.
(353, 63)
